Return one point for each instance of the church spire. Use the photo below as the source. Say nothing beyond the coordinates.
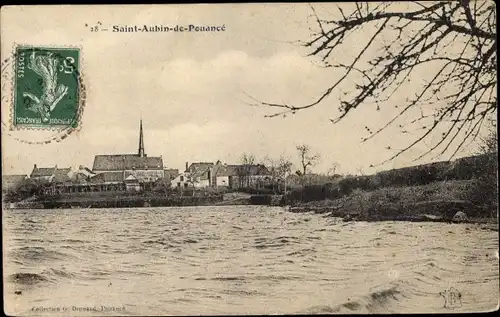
(141, 143)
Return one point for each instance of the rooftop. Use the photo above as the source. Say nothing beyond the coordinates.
(50, 171)
(120, 162)
(108, 177)
(235, 170)
(200, 169)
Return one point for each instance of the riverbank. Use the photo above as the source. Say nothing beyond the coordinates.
(123, 200)
(435, 202)
(115, 201)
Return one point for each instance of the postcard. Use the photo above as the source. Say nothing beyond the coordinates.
(228, 159)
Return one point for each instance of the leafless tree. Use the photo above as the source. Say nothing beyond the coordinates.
(245, 169)
(272, 165)
(162, 185)
(284, 167)
(360, 171)
(485, 190)
(307, 159)
(489, 143)
(280, 169)
(192, 179)
(453, 41)
(332, 171)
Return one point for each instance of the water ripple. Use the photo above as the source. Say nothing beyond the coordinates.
(243, 259)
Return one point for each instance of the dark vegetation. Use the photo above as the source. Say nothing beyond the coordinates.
(470, 180)
(27, 189)
(130, 201)
(468, 168)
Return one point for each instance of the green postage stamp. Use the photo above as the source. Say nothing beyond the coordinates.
(46, 87)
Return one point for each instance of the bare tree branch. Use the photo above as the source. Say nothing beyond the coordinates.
(307, 159)
(454, 43)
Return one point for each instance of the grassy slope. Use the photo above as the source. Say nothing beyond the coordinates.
(435, 200)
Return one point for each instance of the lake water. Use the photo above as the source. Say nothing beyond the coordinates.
(240, 260)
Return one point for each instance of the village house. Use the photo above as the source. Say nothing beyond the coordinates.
(82, 174)
(241, 176)
(51, 174)
(196, 175)
(170, 173)
(181, 181)
(207, 174)
(109, 178)
(222, 175)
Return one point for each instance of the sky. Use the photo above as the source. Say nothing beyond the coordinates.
(192, 90)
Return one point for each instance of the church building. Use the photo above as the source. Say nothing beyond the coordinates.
(128, 168)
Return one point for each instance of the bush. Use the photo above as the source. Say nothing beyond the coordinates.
(25, 190)
(485, 190)
(255, 191)
(484, 193)
(260, 199)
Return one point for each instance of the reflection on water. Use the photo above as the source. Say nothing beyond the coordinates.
(241, 260)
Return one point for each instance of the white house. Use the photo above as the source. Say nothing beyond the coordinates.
(132, 183)
(181, 181)
(203, 174)
(222, 175)
(196, 175)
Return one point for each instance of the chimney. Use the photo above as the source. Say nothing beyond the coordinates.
(34, 166)
(187, 165)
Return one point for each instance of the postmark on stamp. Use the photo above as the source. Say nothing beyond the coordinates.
(46, 87)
